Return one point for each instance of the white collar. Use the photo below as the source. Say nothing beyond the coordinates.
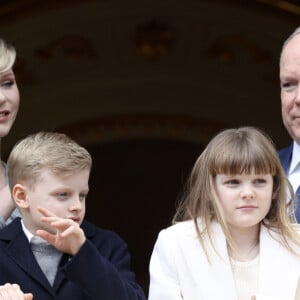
(28, 234)
(295, 158)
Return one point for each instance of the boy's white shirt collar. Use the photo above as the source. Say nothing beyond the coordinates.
(28, 234)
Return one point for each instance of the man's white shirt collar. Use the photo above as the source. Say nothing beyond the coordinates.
(295, 158)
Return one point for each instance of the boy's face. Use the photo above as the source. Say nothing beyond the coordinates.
(61, 195)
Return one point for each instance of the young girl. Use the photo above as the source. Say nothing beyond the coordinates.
(232, 236)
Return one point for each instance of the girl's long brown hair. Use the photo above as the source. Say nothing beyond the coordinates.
(237, 151)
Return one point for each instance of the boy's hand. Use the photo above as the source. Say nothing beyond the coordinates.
(69, 237)
(10, 291)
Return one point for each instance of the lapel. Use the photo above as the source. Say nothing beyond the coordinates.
(60, 277)
(89, 230)
(19, 251)
(285, 156)
(221, 268)
(217, 275)
(279, 269)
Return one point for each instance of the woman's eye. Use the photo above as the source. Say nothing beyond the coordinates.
(8, 83)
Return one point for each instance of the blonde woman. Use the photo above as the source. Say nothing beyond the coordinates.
(9, 105)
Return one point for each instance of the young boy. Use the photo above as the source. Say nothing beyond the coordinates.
(48, 177)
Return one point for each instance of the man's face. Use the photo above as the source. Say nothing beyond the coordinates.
(290, 87)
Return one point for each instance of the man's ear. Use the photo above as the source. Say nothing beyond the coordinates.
(19, 193)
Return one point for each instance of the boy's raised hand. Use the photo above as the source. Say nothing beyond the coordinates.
(68, 238)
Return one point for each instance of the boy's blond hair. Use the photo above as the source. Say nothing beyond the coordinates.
(45, 150)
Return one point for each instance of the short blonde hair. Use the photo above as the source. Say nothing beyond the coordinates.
(7, 56)
(45, 150)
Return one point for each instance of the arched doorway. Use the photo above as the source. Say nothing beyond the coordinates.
(140, 167)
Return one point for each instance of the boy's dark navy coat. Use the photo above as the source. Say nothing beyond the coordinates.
(99, 271)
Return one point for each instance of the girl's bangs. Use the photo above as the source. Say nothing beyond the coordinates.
(243, 161)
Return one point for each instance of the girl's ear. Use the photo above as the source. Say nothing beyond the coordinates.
(274, 195)
(19, 193)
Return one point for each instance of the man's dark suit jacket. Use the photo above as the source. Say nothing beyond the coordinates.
(99, 271)
(285, 156)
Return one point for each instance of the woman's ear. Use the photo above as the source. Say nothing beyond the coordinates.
(19, 193)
